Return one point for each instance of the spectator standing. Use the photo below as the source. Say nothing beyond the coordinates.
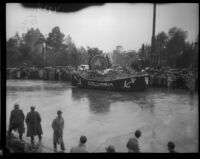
(151, 79)
(173, 81)
(58, 126)
(81, 148)
(110, 149)
(159, 80)
(165, 80)
(41, 73)
(33, 121)
(169, 81)
(171, 147)
(18, 74)
(16, 121)
(133, 146)
(192, 84)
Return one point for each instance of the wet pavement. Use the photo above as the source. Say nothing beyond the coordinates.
(108, 117)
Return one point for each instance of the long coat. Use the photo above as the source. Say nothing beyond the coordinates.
(33, 121)
(192, 84)
(58, 126)
(17, 120)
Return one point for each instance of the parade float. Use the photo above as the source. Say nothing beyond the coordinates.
(101, 76)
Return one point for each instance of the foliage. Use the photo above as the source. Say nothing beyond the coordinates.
(94, 51)
(175, 45)
(172, 49)
(124, 58)
(55, 39)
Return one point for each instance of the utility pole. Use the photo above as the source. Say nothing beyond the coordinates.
(45, 53)
(153, 36)
(43, 50)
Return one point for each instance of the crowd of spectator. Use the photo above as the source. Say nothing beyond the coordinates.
(173, 78)
(164, 77)
(17, 145)
(33, 121)
(61, 73)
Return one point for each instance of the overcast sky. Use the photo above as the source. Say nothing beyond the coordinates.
(109, 25)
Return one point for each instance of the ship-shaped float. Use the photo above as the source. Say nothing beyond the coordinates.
(101, 76)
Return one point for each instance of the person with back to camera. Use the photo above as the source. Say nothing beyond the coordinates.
(169, 81)
(81, 148)
(132, 144)
(16, 121)
(192, 84)
(33, 121)
(171, 147)
(110, 149)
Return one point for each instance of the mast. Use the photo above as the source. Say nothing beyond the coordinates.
(153, 36)
(45, 53)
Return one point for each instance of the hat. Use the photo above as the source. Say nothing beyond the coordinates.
(110, 148)
(32, 107)
(16, 105)
(59, 112)
(83, 139)
(137, 133)
(171, 145)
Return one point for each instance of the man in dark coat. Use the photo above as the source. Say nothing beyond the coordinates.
(192, 84)
(16, 121)
(133, 146)
(33, 121)
(110, 149)
(58, 126)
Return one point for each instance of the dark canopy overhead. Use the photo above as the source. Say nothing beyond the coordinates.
(61, 7)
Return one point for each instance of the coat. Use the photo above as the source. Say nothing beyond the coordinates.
(17, 120)
(79, 149)
(133, 145)
(192, 84)
(33, 121)
(58, 126)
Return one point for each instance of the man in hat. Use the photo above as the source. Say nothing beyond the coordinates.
(110, 149)
(133, 146)
(33, 121)
(171, 147)
(169, 80)
(81, 148)
(16, 121)
(58, 126)
(192, 84)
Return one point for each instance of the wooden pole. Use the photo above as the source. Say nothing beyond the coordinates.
(46, 53)
(153, 36)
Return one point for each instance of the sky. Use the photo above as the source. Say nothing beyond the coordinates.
(105, 27)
